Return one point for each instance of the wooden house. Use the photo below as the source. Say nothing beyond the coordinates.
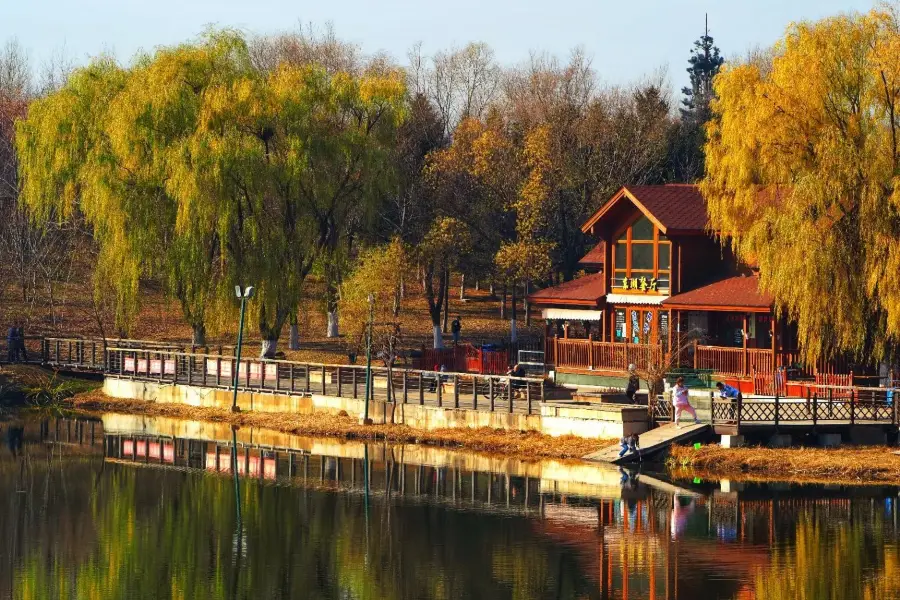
(660, 289)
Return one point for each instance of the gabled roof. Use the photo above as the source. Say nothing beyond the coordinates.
(589, 291)
(738, 293)
(674, 208)
(596, 256)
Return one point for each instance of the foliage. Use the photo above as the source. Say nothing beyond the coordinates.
(193, 165)
(803, 154)
(49, 393)
(376, 273)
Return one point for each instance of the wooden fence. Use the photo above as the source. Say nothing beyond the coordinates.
(602, 356)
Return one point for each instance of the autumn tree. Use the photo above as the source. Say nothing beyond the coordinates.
(378, 273)
(802, 166)
(195, 164)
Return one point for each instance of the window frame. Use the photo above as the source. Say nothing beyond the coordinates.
(617, 270)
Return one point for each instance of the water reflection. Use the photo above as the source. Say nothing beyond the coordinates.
(149, 516)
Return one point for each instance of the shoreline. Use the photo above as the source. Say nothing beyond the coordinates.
(512, 444)
(861, 465)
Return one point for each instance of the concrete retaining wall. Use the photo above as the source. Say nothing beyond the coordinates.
(603, 421)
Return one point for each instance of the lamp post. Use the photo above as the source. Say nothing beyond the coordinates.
(369, 386)
(243, 294)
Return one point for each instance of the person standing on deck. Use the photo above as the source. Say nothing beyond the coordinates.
(455, 328)
(634, 383)
(681, 403)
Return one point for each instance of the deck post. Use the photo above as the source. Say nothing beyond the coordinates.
(740, 410)
(491, 392)
(528, 396)
(440, 390)
(852, 408)
(456, 391)
(474, 392)
(815, 408)
(353, 380)
(745, 363)
(340, 387)
(893, 406)
(324, 393)
(509, 393)
(777, 410)
(421, 390)
(405, 386)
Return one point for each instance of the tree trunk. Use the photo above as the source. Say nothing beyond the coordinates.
(294, 336)
(446, 298)
(268, 348)
(491, 289)
(503, 304)
(199, 337)
(477, 285)
(402, 289)
(462, 286)
(512, 315)
(332, 323)
(438, 338)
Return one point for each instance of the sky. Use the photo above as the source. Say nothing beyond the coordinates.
(625, 39)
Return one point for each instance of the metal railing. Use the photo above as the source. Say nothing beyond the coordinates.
(449, 390)
(829, 405)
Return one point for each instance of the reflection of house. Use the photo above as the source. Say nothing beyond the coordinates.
(655, 276)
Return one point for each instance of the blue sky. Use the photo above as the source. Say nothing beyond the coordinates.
(626, 39)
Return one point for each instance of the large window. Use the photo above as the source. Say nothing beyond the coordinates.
(642, 258)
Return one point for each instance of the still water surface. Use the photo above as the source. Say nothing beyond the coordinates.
(134, 516)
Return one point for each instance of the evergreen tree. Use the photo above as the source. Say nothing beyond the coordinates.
(705, 63)
(686, 153)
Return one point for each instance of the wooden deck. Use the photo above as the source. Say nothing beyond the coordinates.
(651, 442)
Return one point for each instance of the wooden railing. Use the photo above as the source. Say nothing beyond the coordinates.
(451, 390)
(602, 356)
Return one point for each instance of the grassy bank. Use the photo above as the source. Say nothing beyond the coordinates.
(509, 443)
(869, 464)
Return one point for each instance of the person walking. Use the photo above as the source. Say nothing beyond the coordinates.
(20, 344)
(456, 328)
(634, 383)
(681, 403)
(11, 348)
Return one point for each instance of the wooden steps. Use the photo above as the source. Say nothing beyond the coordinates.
(650, 442)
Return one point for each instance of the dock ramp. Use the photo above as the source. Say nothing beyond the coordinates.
(651, 442)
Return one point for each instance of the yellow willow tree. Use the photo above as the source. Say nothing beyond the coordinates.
(802, 178)
(197, 167)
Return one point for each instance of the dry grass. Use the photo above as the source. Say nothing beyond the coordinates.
(870, 464)
(509, 443)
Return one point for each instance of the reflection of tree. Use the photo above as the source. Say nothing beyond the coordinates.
(839, 560)
(154, 533)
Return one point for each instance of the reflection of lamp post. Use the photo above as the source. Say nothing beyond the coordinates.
(244, 295)
(369, 387)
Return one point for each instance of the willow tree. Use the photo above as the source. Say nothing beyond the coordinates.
(194, 166)
(802, 178)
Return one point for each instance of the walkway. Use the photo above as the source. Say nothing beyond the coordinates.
(651, 442)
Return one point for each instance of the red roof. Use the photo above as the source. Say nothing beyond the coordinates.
(589, 290)
(675, 208)
(596, 256)
(734, 293)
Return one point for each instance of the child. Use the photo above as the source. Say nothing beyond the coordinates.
(681, 402)
(629, 442)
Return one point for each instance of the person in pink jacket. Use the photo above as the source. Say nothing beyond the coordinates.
(680, 401)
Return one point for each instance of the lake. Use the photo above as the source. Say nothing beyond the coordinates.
(89, 512)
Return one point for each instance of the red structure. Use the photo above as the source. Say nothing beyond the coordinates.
(661, 290)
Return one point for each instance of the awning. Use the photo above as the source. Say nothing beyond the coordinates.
(572, 314)
(634, 299)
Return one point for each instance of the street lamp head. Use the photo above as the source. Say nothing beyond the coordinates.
(246, 292)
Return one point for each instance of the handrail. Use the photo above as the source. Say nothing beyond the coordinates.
(317, 364)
